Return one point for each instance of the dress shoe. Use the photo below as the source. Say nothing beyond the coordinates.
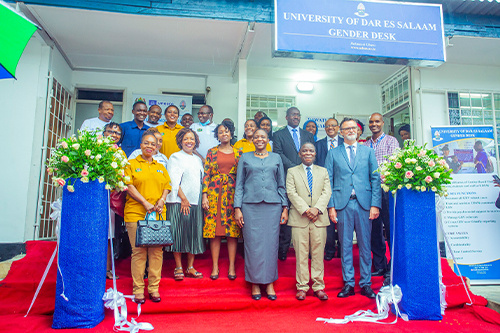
(346, 291)
(329, 257)
(368, 292)
(387, 281)
(282, 256)
(321, 295)
(139, 300)
(231, 276)
(155, 298)
(300, 295)
(256, 297)
(272, 297)
(379, 272)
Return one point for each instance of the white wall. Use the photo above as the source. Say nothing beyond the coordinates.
(23, 101)
(431, 108)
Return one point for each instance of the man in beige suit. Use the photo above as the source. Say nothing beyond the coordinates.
(308, 189)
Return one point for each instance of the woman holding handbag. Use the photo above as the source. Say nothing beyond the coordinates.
(148, 186)
(184, 203)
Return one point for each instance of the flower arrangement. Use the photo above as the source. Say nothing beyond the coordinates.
(415, 168)
(89, 156)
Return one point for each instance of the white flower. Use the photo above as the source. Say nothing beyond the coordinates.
(385, 188)
(400, 186)
(423, 188)
(71, 188)
(126, 178)
(408, 186)
(100, 179)
(393, 191)
(417, 188)
(76, 146)
(106, 140)
(434, 189)
(98, 157)
(418, 168)
(99, 142)
(436, 175)
(408, 160)
(114, 165)
(84, 179)
(121, 184)
(414, 160)
(107, 187)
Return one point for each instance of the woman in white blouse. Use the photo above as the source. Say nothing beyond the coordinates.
(184, 203)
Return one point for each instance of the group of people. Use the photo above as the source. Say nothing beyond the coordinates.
(271, 189)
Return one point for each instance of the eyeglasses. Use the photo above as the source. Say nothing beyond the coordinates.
(348, 129)
(203, 113)
(113, 132)
(331, 126)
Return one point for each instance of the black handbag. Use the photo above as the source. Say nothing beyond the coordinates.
(153, 233)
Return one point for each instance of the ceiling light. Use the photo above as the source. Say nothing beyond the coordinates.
(305, 86)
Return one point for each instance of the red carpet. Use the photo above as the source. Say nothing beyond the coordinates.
(214, 306)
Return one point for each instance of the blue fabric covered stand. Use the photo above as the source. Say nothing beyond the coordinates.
(416, 266)
(82, 256)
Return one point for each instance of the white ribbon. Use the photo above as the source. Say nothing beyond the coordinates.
(56, 216)
(115, 300)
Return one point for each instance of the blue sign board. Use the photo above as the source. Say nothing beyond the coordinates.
(362, 28)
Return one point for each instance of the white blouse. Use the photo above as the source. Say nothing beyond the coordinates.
(187, 171)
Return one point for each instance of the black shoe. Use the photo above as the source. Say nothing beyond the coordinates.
(256, 297)
(379, 272)
(387, 281)
(346, 291)
(329, 257)
(282, 256)
(368, 292)
(272, 297)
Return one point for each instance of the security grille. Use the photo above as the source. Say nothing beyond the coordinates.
(57, 125)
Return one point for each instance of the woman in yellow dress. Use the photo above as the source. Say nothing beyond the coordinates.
(246, 144)
(218, 196)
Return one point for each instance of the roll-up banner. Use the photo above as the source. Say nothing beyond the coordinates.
(470, 218)
(184, 103)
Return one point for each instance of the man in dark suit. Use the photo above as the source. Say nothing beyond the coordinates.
(332, 140)
(287, 143)
(355, 200)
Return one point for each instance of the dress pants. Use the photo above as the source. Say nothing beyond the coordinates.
(354, 218)
(285, 238)
(331, 240)
(309, 239)
(377, 238)
(139, 257)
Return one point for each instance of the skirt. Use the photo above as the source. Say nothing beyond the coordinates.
(187, 230)
(261, 234)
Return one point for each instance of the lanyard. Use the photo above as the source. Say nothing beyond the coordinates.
(378, 142)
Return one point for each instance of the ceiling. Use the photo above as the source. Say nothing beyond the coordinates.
(105, 41)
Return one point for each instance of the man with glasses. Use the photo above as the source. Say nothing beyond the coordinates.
(383, 145)
(354, 203)
(323, 146)
(286, 143)
(132, 130)
(205, 130)
(106, 113)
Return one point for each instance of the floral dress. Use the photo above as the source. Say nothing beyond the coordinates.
(219, 188)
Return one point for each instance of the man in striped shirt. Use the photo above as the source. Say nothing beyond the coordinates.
(384, 145)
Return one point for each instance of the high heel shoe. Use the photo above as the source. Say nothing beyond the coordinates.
(215, 276)
(256, 297)
(231, 276)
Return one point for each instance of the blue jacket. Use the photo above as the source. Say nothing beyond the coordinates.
(322, 150)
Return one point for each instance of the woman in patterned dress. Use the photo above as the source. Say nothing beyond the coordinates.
(218, 195)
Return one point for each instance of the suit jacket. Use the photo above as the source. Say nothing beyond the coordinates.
(284, 146)
(363, 177)
(322, 150)
(260, 180)
(298, 193)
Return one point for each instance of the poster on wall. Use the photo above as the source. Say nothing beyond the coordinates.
(470, 218)
(184, 103)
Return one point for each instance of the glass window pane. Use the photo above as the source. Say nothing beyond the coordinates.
(476, 101)
(466, 121)
(464, 101)
(465, 112)
(477, 113)
(477, 121)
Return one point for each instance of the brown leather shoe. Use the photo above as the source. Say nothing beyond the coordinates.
(300, 295)
(139, 299)
(321, 295)
(155, 297)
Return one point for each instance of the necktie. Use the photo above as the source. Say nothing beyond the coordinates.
(331, 144)
(309, 179)
(352, 156)
(296, 139)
